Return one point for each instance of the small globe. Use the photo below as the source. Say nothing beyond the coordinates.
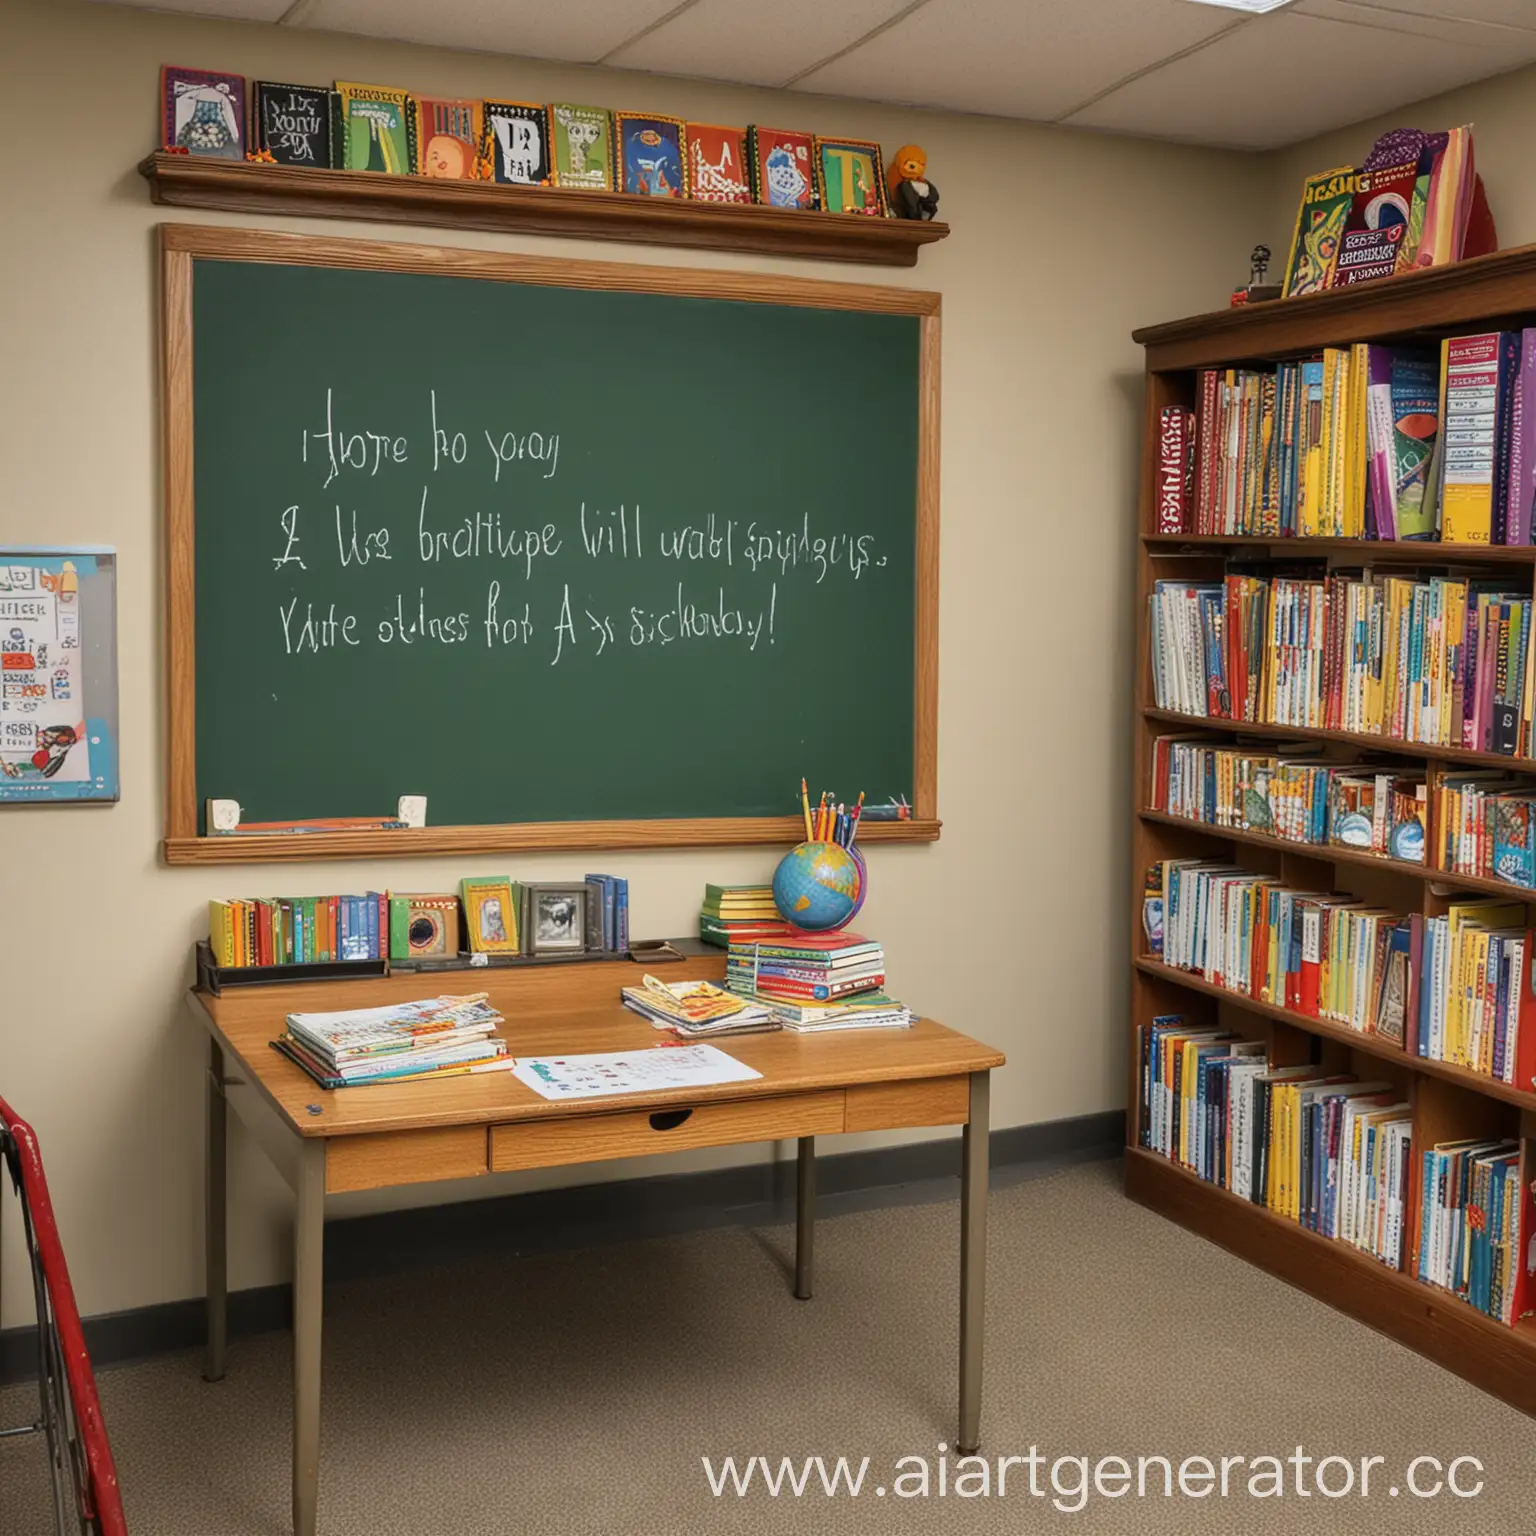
(818, 886)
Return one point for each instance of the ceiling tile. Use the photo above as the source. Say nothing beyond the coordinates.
(576, 31)
(1286, 77)
(1489, 35)
(755, 45)
(229, 10)
(1507, 13)
(1035, 60)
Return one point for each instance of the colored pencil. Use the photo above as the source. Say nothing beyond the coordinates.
(805, 805)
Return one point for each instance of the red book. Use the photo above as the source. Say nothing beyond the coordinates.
(1309, 979)
(1175, 434)
(1209, 451)
(1525, 1027)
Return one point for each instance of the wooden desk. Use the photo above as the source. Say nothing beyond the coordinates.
(327, 1143)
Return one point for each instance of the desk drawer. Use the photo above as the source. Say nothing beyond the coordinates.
(639, 1132)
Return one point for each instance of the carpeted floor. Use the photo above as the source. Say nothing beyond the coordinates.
(577, 1393)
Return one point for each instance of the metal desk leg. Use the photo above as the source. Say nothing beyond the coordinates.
(308, 1260)
(215, 1220)
(973, 1260)
(805, 1217)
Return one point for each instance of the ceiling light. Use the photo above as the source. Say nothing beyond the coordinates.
(1253, 7)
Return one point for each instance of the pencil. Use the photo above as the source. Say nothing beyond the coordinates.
(805, 805)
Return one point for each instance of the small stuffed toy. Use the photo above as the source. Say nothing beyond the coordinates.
(913, 196)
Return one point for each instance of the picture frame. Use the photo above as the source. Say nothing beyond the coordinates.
(580, 146)
(719, 168)
(559, 919)
(447, 137)
(375, 129)
(782, 162)
(651, 160)
(516, 143)
(850, 177)
(423, 925)
(202, 112)
(491, 916)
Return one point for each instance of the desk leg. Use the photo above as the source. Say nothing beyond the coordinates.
(215, 1217)
(308, 1259)
(805, 1217)
(973, 1260)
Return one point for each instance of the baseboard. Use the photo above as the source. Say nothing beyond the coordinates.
(588, 1215)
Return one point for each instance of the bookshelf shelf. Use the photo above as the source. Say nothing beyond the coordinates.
(1422, 750)
(1500, 1360)
(1417, 550)
(193, 181)
(1447, 1101)
(1326, 1029)
(1329, 853)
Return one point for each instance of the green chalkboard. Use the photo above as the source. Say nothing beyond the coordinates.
(545, 553)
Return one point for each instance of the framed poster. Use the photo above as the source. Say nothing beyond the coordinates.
(58, 674)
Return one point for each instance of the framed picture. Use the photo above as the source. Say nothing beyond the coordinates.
(423, 925)
(651, 154)
(850, 178)
(58, 675)
(782, 166)
(517, 143)
(292, 123)
(555, 919)
(202, 112)
(376, 129)
(581, 147)
(490, 915)
(717, 164)
(447, 138)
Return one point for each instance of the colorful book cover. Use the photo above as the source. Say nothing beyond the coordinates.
(202, 112)
(581, 146)
(1470, 428)
(292, 123)
(1174, 463)
(782, 167)
(448, 136)
(517, 142)
(651, 156)
(1377, 224)
(1522, 444)
(1415, 406)
(375, 129)
(718, 168)
(1320, 220)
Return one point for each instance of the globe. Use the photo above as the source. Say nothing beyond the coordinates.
(819, 886)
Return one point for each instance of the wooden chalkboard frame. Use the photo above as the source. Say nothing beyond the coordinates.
(182, 244)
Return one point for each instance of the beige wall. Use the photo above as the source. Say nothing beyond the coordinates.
(1013, 926)
(1502, 121)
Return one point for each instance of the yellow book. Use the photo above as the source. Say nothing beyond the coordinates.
(1355, 443)
(221, 933)
(1455, 628)
(1326, 526)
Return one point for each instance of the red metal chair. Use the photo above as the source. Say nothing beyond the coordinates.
(86, 1501)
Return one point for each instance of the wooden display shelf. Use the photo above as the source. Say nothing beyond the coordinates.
(1422, 551)
(238, 186)
(1499, 1359)
(1326, 1029)
(1397, 747)
(1331, 854)
(516, 837)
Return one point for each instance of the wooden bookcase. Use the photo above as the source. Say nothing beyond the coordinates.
(1488, 293)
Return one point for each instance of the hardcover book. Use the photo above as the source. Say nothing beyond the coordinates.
(517, 143)
(783, 171)
(1377, 224)
(292, 123)
(1175, 469)
(202, 112)
(717, 164)
(650, 152)
(1325, 205)
(375, 129)
(447, 134)
(581, 147)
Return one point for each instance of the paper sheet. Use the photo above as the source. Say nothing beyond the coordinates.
(644, 1071)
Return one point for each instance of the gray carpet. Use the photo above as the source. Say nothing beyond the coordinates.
(576, 1393)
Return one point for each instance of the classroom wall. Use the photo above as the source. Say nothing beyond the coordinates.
(1014, 926)
(1500, 113)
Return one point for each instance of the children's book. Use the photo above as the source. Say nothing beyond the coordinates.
(1325, 205)
(375, 129)
(782, 167)
(718, 170)
(202, 112)
(517, 142)
(292, 123)
(447, 138)
(581, 146)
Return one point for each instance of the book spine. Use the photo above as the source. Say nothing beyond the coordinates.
(1172, 446)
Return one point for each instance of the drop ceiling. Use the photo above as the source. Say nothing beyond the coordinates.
(1166, 69)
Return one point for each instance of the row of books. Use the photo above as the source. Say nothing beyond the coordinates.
(813, 982)
(1473, 1008)
(1416, 201)
(299, 930)
(1362, 442)
(740, 912)
(1335, 1154)
(1439, 659)
(401, 1042)
(1369, 807)
(1486, 822)
(355, 127)
(1326, 1150)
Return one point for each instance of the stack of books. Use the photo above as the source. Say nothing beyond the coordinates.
(431, 1037)
(1471, 1225)
(732, 912)
(816, 981)
(697, 1009)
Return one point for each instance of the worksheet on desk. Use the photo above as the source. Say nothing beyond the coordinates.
(656, 1070)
